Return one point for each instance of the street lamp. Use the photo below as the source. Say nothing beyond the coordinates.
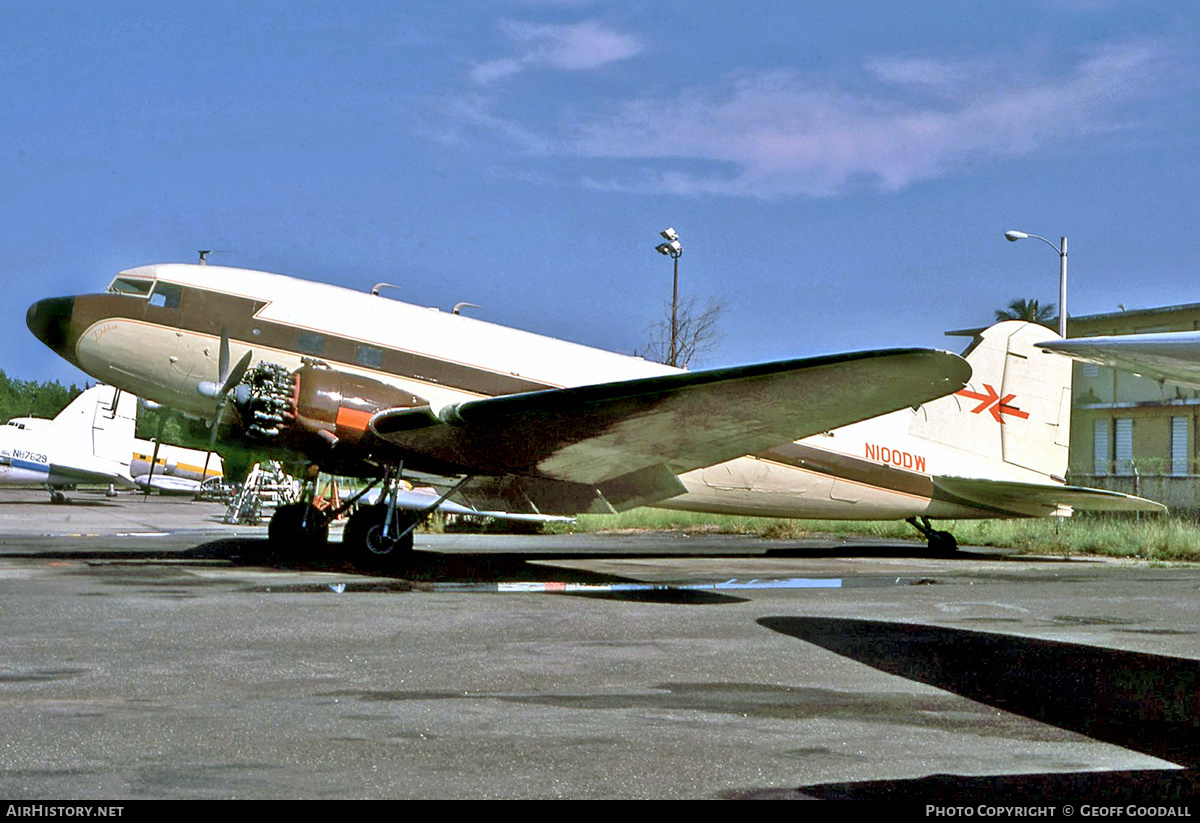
(1014, 236)
(673, 249)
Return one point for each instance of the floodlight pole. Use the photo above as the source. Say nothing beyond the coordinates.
(675, 312)
(673, 249)
(1014, 236)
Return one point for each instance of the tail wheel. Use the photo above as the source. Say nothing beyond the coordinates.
(943, 542)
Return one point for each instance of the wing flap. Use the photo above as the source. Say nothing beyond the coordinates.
(642, 430)
(1040, 499)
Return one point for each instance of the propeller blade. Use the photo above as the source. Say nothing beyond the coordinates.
(239, 371)
(223, 357)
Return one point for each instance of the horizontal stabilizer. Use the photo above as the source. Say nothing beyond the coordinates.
(1173, 356)
(640, 431)
(91, 471)
(1040, 499)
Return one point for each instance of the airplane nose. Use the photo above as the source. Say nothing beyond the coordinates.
(50, 322)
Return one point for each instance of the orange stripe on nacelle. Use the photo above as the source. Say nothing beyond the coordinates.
(353, 418)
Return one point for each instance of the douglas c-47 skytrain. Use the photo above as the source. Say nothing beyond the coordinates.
(506, 420)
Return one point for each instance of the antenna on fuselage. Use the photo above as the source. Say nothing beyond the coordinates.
(375, 289)
(204, 253)
(463, 304)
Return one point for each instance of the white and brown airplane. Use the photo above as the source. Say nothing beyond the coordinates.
(513, 421)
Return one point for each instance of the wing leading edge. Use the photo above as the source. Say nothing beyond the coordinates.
(626, 441)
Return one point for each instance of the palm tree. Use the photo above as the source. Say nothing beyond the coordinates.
(1028, 310)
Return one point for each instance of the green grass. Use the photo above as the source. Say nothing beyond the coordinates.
(1151, 537)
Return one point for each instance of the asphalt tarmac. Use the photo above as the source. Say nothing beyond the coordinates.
(149, 651)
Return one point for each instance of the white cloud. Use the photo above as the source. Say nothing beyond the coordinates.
(575, 47)
(781, 134)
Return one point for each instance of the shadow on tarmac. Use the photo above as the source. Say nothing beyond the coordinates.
(69, 503)
(916, 551)
(1144, 702)
(421, 570)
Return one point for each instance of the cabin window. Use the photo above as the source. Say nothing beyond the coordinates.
(131, 285)
(166, 295)
(370, 357)
(311, 343)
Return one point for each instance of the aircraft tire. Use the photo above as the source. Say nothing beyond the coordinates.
(943, 542)
(364, 537)
(290, 535)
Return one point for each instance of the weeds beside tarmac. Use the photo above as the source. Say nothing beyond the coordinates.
(1148, 537)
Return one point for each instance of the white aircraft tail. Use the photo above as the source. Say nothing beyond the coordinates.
(1016, 408)
(99, 422)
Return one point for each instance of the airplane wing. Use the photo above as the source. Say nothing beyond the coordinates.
(1034, 499)
(627, 441)
(1173, 356)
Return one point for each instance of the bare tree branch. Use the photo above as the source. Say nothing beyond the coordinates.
(697, 332)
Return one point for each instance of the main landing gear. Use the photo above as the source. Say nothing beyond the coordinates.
(298, 528)
(301, 529)
(941, 542)
(378, 536)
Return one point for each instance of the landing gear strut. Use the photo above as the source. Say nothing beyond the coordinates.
(381, 536)
(941, 542)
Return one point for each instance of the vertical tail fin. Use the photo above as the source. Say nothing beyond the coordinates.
(1016, 408)
(99, 422)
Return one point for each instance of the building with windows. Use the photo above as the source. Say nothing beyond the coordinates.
(1124, 425)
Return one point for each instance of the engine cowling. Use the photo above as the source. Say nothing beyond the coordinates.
(338, 405)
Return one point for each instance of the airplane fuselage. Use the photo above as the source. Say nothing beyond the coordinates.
(157, 333)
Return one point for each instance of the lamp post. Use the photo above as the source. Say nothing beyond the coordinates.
(1014, 236)
(673, 249)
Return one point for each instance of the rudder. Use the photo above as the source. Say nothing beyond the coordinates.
(1017, 406)
(100, 422)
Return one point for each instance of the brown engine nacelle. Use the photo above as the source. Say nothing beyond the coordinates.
(337, 405)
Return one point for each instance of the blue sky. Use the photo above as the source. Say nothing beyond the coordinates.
(841, 174)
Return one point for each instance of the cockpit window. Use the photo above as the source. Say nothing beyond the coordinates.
(166, 295)
(131, 285)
